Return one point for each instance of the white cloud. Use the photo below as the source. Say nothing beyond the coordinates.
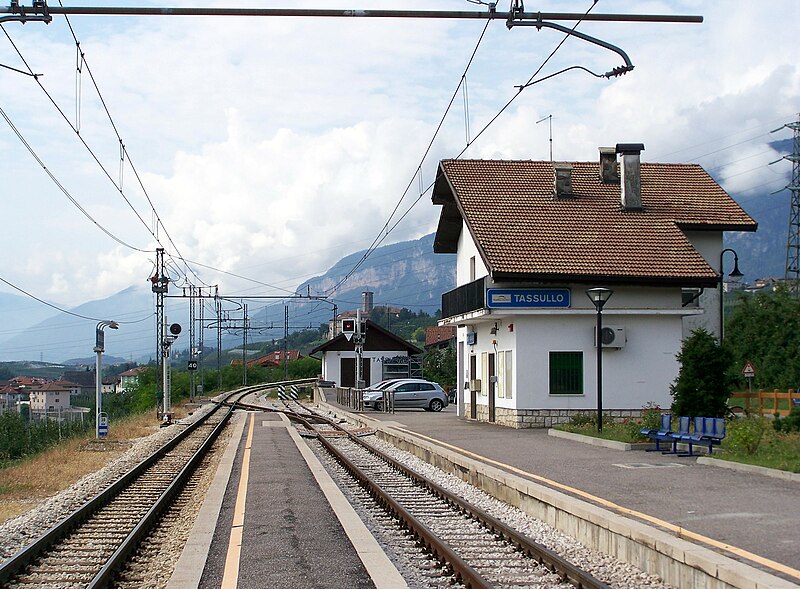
(273, 147)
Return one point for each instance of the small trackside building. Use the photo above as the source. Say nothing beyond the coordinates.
(531, 237)
(384, 356)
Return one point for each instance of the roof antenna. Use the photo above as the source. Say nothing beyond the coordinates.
(549, 118)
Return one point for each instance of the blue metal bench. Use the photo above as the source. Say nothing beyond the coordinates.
(706, 431)
(666, 434)
(675, 436)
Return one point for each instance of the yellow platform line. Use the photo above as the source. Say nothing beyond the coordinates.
(230, 577)
(677, 530)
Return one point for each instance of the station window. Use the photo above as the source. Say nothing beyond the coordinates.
(566, 373)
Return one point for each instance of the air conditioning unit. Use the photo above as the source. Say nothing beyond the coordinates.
(612, 336)
(475, 385)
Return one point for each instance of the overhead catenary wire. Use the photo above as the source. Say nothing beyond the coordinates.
(62, 188)
(385, 231)
(83, 63)
(381, 236)
(57, 308)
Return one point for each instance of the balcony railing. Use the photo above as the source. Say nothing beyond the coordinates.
(465, 298)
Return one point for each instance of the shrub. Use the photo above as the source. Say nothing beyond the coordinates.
(703, 385)
(788, 424)
(582, 419)
(651, 416)
(745, 435)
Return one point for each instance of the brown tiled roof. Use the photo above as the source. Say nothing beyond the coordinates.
(523, 231)
(439, 333)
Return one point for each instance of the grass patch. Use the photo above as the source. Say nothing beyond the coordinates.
(627, 432)
(26, 482)
(780, 451)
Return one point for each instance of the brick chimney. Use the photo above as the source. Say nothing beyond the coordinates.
(631, 182)
(562, 180)
(609, 169)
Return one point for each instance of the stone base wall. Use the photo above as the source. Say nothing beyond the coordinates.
(544, 418)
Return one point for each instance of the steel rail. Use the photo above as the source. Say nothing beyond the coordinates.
(17, 563)
(117, 560)
(355, 13)
(460, 568)
(535, 550)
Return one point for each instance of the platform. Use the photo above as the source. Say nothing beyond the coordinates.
(273, 518)
(750, 518)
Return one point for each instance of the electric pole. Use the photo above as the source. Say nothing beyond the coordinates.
(792, 274)
(160, 286)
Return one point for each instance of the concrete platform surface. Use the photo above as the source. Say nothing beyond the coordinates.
(274, 525)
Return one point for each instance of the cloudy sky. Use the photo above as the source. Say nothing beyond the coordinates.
(272, 147)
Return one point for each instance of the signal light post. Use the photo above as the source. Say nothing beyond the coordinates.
(99, 348)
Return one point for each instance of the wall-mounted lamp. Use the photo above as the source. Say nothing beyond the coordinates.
(493, 330)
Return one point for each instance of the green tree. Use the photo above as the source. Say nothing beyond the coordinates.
(703, 384)
(765, 330)
(440, 366)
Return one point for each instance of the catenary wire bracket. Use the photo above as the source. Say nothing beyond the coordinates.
(516, 19)
(19, 13)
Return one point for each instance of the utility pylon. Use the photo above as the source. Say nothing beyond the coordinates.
(792, 274)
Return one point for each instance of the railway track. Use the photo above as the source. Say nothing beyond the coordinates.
(91, 545)
(479, 550)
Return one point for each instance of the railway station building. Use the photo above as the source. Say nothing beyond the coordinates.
(384, 355)
(531, 237)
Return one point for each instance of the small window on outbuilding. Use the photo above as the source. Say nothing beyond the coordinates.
(690, 297)
(566, 373)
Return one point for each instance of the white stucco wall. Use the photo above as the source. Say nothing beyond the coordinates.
(639, 373)
(331, 364)
(466, 250)
(709, 244)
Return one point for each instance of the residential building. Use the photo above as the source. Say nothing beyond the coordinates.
(130, 378)
(274, 358)
(440, 336)
(11, 397)
(531, 237)
(51, 399)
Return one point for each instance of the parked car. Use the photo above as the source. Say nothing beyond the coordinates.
(408, 392)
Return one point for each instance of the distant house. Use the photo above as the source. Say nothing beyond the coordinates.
(130, 378)
(110, 384)
(51, 398)
(272, 359)
(75, 388)
(440, 336)
(27, 381)
(10, 397)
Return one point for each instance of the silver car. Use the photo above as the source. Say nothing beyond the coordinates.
(411, 392)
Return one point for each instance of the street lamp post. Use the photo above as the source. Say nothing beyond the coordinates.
(735, 276)
(99, 348)
(599, 297)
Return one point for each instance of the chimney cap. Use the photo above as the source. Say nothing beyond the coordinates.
(630, 148)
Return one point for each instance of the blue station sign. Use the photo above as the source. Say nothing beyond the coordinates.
(527, 298)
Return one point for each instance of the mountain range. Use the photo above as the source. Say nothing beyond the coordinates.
(406, 274)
